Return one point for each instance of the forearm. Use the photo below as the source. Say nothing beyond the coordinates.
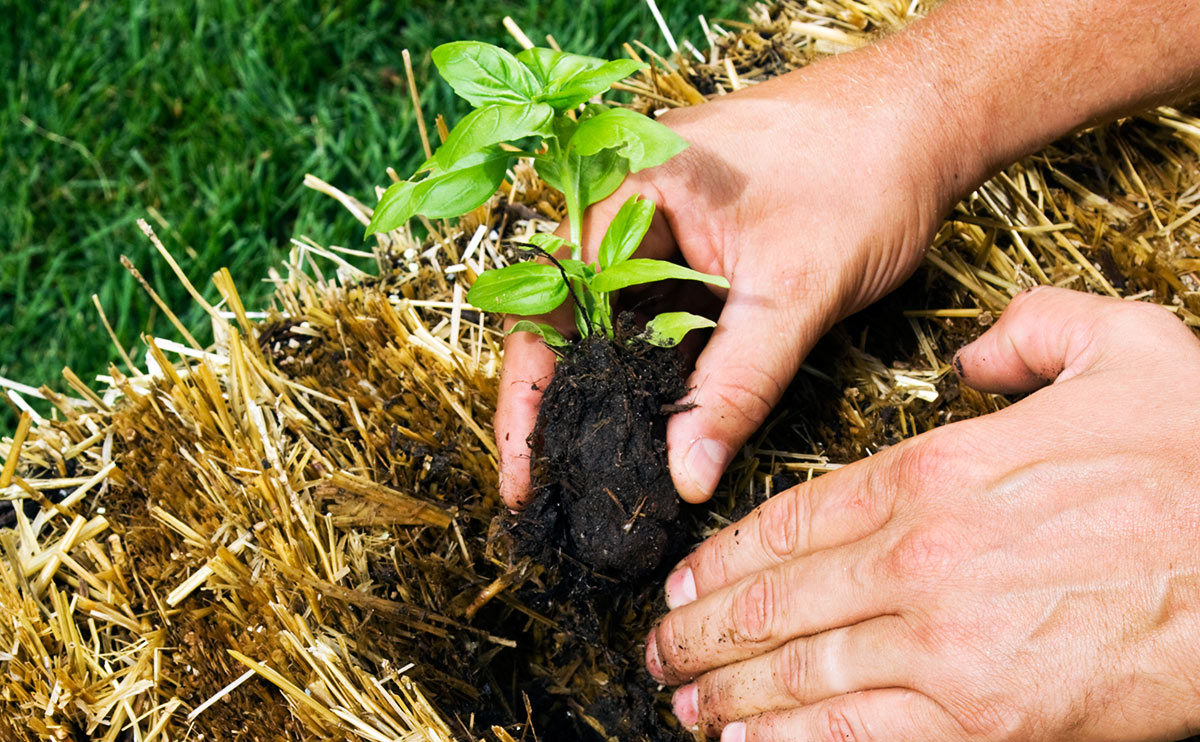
(1011, 76)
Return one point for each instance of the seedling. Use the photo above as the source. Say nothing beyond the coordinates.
(540, 98)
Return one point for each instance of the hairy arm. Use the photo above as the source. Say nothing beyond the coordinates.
(1014, 75)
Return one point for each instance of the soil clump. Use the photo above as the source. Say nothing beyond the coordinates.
(604, 494)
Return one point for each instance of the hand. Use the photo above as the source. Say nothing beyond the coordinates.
(811, 203)
(1033, 574)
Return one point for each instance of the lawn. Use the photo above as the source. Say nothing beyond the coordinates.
(203, 118)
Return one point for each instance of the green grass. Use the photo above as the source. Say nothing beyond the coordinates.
(204, 116)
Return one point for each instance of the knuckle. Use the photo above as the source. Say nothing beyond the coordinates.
(784, 525)
(710, 561)
(750, 395)
(671, 651)
(791, 666)
(753, 610)
(928, 635)
(1137, 316)
(716, 700)
(841, 720)
(927, 464)
(919, 557)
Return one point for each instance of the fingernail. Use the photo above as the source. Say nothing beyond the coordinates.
(681, 588)
(705, 463)
(653, 661)
(735, 732)
(686, 704)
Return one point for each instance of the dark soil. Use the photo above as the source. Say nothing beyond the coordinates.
(604, 492)
(607, 525)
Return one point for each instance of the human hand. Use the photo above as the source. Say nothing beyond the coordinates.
(1029, 575)
(810, 202)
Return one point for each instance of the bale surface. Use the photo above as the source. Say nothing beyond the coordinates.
(290, 535)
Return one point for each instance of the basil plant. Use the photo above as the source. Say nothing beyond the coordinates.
(539, 103)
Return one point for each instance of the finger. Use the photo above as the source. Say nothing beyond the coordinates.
(754, 352)
(1049, 335)
(802, 672)
(890, 714)
(528, 367)
(834, 509)
(805, 596)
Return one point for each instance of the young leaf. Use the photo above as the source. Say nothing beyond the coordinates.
(626, 231)
(643, 270)
(492, 124)
(570, 79)
(485, 74)
(395, 207)
(599, 175)
(553, 68)
(549, 243)
(472, 181)
(643, 142)
(589, 83)
(668, 328)
(444, 194)
(524, 288)
(552, 336)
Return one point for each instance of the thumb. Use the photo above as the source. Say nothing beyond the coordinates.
(528, 366)
(1049, 335)
(753, 353)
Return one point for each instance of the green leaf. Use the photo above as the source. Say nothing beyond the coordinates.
(643, 142)
(395, 207)
(599, 175)
(444, 194)
(644, 270)
(549, 243)
(485, 74)
(589, 83)
(552, 336)
(571, 79)
(473, 180)
(552, 68)
(667, 329)
(626, 231)
(577, 269)
(492, 124)
(524, 288)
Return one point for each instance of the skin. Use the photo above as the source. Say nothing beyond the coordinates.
(1028, 575)
(1050, 591)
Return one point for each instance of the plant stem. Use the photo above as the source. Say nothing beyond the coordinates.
(574, 205)
(573, 213)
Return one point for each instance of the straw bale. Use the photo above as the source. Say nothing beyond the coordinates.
(289, 535)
